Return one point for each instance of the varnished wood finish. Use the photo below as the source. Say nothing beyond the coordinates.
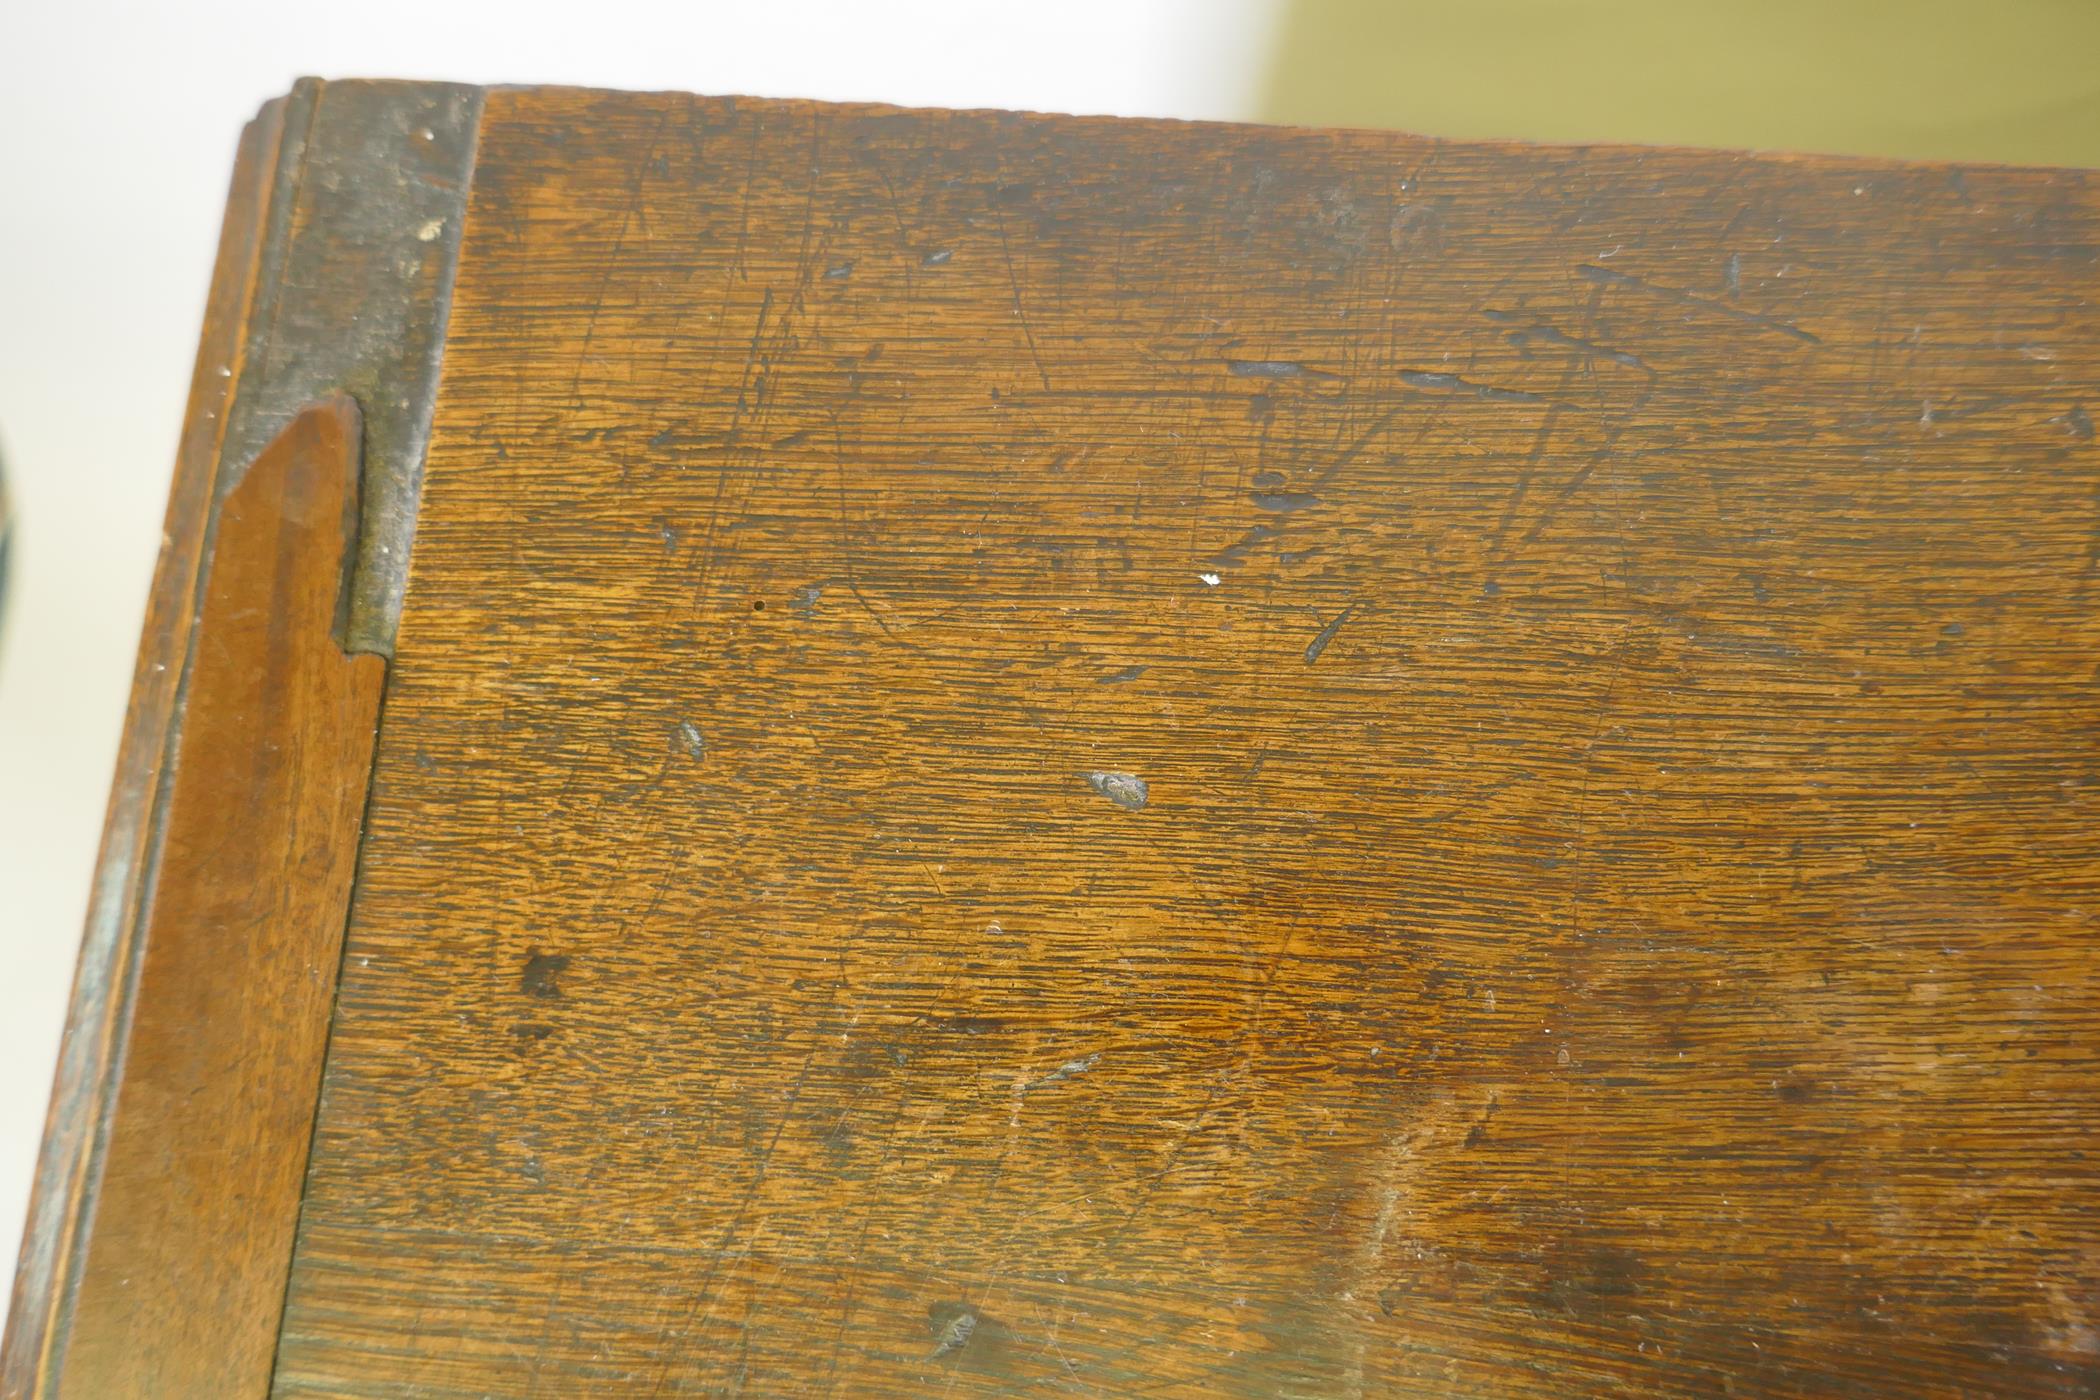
(333, 275)
(92, 1052)
(205, 1143)
(1034, 756)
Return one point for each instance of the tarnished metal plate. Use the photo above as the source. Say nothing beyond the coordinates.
(356, 280)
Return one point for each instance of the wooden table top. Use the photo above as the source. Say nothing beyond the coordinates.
(1066, 756)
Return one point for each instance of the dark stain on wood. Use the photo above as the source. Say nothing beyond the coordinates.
(540, 978)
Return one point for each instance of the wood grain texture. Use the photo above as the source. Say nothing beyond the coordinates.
(204, 1149)
(92, 1052)
(1038, 756)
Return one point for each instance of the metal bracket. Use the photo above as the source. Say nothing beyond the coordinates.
(355, 284)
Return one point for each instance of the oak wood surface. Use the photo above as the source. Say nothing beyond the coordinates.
(1062, 756)
(205, 1144)
(92, 1054)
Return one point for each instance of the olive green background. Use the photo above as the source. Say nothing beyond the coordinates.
(2016, 81)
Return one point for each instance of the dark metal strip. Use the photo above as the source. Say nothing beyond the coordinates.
(357, 283)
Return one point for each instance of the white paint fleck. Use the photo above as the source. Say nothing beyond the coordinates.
(1210, 580)
(428, 233)
(1070, 1069)
(1126, 790)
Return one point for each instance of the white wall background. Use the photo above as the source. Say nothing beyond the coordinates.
(117, 128)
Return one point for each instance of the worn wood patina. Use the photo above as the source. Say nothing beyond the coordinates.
(1034, 755)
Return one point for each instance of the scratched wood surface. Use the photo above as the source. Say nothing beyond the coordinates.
(1037, 756)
